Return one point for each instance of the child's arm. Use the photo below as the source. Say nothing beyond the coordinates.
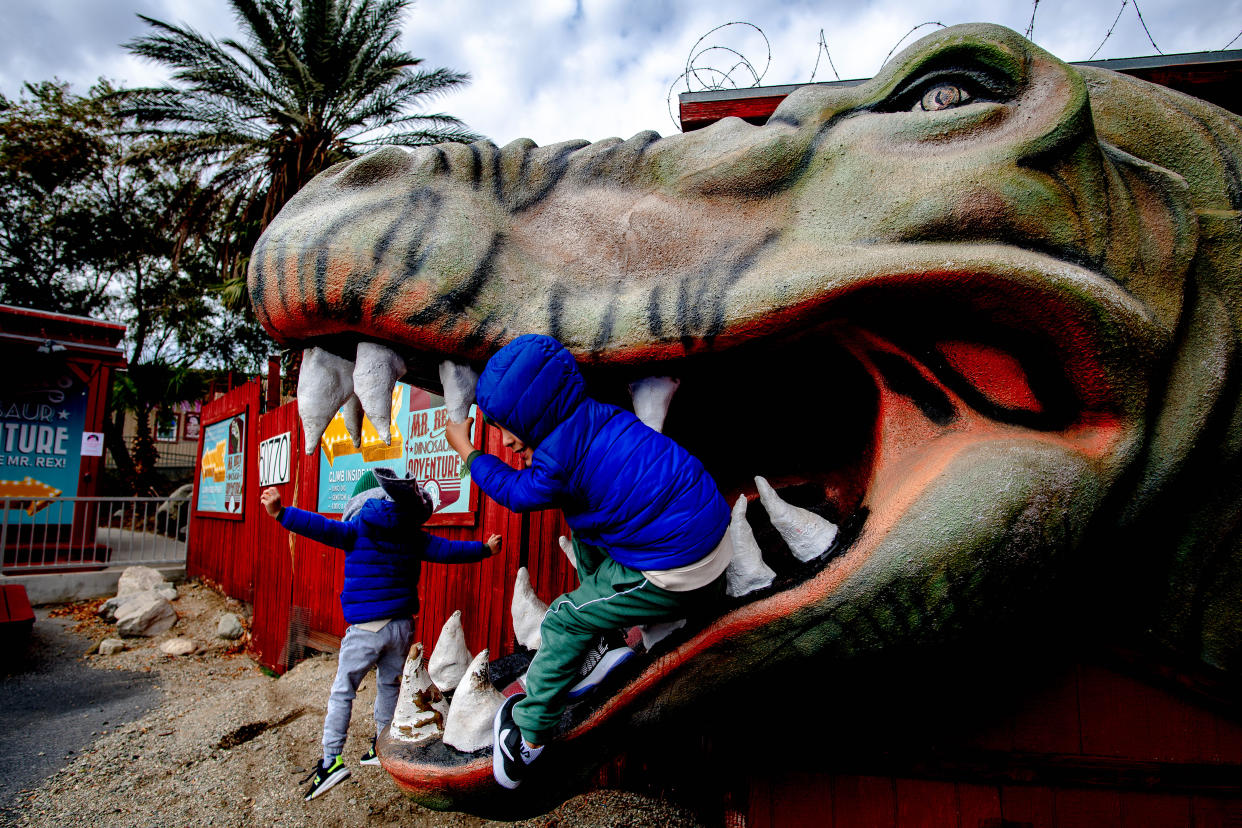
(440, 550)
(538, 487)
(308, 524)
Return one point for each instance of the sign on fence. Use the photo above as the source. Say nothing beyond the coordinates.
(274, 460)
(417, 448)
(221, 484)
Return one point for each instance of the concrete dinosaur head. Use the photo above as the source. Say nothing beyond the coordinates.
(986, 304)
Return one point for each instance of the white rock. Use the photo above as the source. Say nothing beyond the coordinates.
(451, 657)
(111, 646)
(229, 627)
(806, 533)
(178, 646)
(146, 615)
(747, 571)
(107, 610)
(527, 610)
(139, 579)
(166, 591)
(421, 707)
(475, 701)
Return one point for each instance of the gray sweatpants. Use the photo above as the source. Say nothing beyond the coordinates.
(361, 650)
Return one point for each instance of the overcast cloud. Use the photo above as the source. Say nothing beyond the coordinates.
(557, 69)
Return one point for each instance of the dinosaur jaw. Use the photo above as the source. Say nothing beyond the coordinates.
(865, 413)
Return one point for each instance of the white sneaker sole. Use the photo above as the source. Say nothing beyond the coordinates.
(375, 763)
(328, 784)
(611, 660)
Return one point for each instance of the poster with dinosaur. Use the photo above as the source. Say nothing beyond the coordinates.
(417, 449)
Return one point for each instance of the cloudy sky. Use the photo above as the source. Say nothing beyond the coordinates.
(557, 69)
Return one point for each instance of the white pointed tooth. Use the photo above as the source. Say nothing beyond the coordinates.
(653, 634)
(421, 707)
(528, 611)
(376, 371)
(352, 412)
(475, 701)
(568, 548)
(458, 380)
(806, 533)
(325, 382)
(747, 571)
(451, 656)
(651, 396)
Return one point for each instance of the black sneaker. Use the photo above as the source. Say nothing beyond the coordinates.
(510, 755)
(322, 778)
(370, 757)
(608, 654)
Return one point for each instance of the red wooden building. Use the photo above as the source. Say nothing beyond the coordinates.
(59, 371)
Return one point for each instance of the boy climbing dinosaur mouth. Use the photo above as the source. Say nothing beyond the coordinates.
(649, 523)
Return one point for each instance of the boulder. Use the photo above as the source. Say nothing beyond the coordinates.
(178, 646)
(107, 610)
(146, 615)
(111, 646)
(139, 579)
(166, 591)
(229, 627)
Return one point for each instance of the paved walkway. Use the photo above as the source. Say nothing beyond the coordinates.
(52, 703)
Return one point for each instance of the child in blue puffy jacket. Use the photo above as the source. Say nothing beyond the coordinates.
(649, 524)
(384, 549)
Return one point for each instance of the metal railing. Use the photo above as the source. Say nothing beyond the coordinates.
(43, 534)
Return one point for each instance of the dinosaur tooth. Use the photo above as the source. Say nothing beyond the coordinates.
(653, 634)
(652, 396)
(528, 611)
(451, 656)
(806, 533)
(458, 380)
(352, 412)
(568, 548)
(421, 707)
(475, 701)
(376, 371)
(325, 382)
(747, 571)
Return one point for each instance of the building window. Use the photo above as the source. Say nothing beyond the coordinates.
(166, 425)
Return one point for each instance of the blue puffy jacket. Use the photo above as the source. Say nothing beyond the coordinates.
(384, 551)
(622, 486)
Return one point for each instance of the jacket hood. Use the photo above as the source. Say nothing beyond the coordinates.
(530, 386)
(385, 519)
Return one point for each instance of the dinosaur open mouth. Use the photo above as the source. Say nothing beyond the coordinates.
(846, 408)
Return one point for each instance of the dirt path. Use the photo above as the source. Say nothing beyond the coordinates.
(228, 745)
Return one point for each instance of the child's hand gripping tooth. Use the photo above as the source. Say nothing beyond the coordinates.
(458, 436)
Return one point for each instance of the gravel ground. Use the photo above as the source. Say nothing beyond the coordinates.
(227, 745)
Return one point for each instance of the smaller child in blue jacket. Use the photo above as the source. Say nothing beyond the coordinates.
(384, 549)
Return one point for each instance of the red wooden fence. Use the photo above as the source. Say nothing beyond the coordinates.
(294, 584)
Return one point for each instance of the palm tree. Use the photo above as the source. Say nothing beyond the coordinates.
(314, 83)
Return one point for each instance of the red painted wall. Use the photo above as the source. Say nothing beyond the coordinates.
(290, 579)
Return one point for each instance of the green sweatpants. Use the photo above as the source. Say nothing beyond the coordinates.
(609, 596)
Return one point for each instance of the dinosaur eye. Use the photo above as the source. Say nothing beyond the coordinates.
(943, 96)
